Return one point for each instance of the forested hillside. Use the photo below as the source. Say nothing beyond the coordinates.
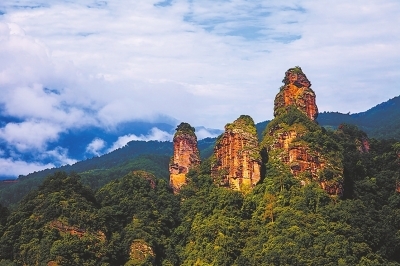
(152, 156)
(381, 121)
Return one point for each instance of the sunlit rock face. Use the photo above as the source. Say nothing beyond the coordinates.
(296, 91)
(236, 161)
(291, 136)
(186, 155)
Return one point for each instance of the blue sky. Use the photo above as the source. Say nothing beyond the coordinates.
(70, 64)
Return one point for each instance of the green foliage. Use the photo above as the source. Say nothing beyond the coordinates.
(152, 163)
(245, 123)
(381, 121)
(295, 69)
(38, 231)
(185, 128)
(94, 178)
(291, 117)
(138, 206)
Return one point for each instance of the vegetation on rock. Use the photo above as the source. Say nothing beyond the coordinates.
(185, 128)
(245, 123)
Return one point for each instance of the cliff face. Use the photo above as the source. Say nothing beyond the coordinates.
(237, 161)
(186, 155)
(297, 92)
(294, 139)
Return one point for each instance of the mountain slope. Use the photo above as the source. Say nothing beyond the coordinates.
(381, 121)
(152, 156)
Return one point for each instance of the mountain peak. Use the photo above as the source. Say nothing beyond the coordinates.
(296, 92)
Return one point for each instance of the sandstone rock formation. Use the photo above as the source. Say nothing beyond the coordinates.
(186, 155)
(297, 92)
(294, 139)
(236, 160)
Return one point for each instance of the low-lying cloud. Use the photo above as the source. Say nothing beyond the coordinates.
(29, 135)
(154, 134)
(95, 147)
(13, 168)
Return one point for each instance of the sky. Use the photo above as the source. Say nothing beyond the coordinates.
(69, 64)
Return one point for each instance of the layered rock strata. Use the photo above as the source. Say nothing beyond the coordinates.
(186, 155)
(236, 160)
(292, 137)
(296, 91)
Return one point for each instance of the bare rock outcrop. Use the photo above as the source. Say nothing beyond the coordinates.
(186, 155)
(236, 160)
(296, 91)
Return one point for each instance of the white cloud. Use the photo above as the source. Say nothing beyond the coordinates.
(95, 146)
(154, 134)
(13, 168)
(203, 133)
(202, 61)
(59, 156)
(29, 135)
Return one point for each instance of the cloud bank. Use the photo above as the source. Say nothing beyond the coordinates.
(65, 65)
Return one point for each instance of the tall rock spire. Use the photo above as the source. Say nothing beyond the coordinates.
(186, 155)
(294, 139)
(296, 92)
(236, 160)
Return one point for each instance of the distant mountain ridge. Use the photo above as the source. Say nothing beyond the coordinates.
(381, 122)
(130, 151)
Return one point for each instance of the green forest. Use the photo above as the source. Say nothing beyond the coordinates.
(125, 216)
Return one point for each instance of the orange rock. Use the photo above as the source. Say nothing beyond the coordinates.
(237, 159)
(297, 92)
(186, 155)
